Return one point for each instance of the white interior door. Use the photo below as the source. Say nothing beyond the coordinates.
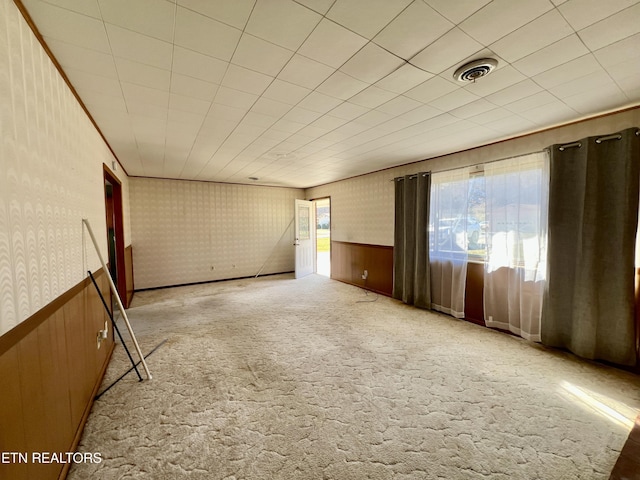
(305, 238)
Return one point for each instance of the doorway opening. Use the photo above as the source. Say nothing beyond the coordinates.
(115, 232)
(323, 236)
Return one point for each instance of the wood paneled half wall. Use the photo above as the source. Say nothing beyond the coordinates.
(50, 370)
(350, 260)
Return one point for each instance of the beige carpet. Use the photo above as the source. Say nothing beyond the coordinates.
(277, 378)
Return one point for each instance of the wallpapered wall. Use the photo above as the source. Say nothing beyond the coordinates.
(186, 232)
(362, 207)
(51, 177)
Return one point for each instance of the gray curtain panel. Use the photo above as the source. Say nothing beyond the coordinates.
(411, 240)
(588, 304)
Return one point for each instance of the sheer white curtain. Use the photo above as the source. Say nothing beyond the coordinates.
(517, 195)
(448, 240)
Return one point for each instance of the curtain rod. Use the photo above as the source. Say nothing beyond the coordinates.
(544, 150)
(615, 136)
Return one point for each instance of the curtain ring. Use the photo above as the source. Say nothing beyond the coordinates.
(569, 145)
(616, 136)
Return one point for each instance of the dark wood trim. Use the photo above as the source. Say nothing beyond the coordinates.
(40, 38)
(121, 280)
(17, 333)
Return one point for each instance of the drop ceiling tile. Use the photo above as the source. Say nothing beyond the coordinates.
(319, 102)
(301, 115)
(582, 13)
(586, 103)
(500, 79)
(528, 39)
(154, 18)
(489, 116)
(372, 119)
(205, 35)
(140, 74)
(459, 10)
(559, 53)
(372, 97)
(270, 107)
(69, 26)
(329, 122)
(595, 82)
(193, 87)
(198, 65)
(94, 83)
(582, 66)
(99, 103)
(623, 51)
(139, 48)
(371, 64)
(259, 119)
(260, 55)
(421, 114)
(550, 114)
(340, 85)
(84, 59)
(282, 22)
(349, 14)
(287, 126)
(472, 109)
(348, 111)
(446, 51)
(431, 89)
(512, 125)
(320, 6)
(453, 100)
(139, 94)
(305, 72)
(502, 17)
(285, 92)
(191, 105)
(515, 92)
(399, 105)
(147, 110)
(246, 80)
(612, 29)
(235, 98)
(331, 44)
(533, 101)
(85, 7)
(406, 35)
(235, 13)
(404, 78)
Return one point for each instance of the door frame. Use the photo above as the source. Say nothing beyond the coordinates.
(315, 247)
(116, 198)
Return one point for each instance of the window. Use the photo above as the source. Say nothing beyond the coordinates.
(500, 207)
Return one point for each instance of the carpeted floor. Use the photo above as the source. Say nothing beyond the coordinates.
(276, 378)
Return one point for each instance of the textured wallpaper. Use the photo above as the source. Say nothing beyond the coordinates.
(50, 177)
(185, 232)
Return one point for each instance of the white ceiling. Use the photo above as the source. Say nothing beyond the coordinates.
(301, 93)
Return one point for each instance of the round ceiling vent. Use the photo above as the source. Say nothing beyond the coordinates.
(472, 71)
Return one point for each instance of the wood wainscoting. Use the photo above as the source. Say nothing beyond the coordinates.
(128, 272)
(50, 371)
(350, 260)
